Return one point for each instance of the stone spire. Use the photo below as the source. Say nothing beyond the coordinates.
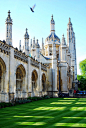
(26, 42)
(37, 44)
(26, 36)
(37, 50)
(9, 20)
(63, 49)
(33, 45)
(52, 25)
(70, 21)
(19, 45)
(69, 35)
(63, 40)
(9, 29)
(42, 44)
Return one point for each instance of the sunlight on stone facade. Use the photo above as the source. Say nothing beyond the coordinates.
(35, 71)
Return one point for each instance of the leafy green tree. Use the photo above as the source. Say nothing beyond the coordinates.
(82, 66)
(82, 77)
(82, 80)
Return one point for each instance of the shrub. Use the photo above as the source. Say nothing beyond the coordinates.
(46, 97)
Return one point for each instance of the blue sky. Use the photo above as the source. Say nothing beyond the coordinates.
(38, 23)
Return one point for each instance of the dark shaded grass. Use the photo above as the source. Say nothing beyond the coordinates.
(48, 116)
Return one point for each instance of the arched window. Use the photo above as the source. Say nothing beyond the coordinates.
(34, 80)
(2, 75)
(43, 82)
(20, 75)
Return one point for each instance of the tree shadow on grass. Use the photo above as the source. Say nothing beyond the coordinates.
(44, 114)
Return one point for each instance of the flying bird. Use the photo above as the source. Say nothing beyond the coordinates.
(32, 8)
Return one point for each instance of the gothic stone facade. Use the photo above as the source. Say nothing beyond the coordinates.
(32, 71)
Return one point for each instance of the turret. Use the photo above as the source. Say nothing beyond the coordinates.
(9, 29)
(26, 42)
(33, 45)
(52, 25)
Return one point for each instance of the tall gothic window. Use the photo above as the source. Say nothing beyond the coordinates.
(2, 74)
(34, 80)
(43, 82)
(20, 75)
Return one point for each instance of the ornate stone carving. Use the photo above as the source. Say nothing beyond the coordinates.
(20, 56)
(43, 67)
(34, 63)
(4, 48)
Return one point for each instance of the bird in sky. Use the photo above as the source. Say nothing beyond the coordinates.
(32, 8)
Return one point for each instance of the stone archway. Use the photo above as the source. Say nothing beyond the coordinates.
(2, 75)
(34, 82)
(20, 80)
(43, 82)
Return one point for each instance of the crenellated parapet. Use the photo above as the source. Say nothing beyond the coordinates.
(43, 67)
(20, 56)
(34, 63)
(4, 48)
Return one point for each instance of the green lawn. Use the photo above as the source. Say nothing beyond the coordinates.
(49, 113)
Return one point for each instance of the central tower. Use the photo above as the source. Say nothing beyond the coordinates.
(49, 41)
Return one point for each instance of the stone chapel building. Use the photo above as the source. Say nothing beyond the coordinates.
(34, 71)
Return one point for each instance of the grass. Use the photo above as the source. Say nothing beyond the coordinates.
(50, 113)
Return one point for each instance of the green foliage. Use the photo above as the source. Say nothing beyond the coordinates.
(38, 98)
(82, 77)
(82, 80)
(23, 101)
(82, 66)
(3, 105)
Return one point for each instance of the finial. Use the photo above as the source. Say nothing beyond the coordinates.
(26, 30)
(63, 35)
(63, 40)
(20, 42)
(52, 16)
(37, 41)
(9, 13)
(69, 20)
(20, 45)
(42, 41)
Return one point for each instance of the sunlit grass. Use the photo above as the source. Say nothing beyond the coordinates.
(78, 108)
(75, 117)
(80, 103)
(30, 123)
(61, 102)
(50, 108)
(54, 112)
(78, 125)
(35, 116)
